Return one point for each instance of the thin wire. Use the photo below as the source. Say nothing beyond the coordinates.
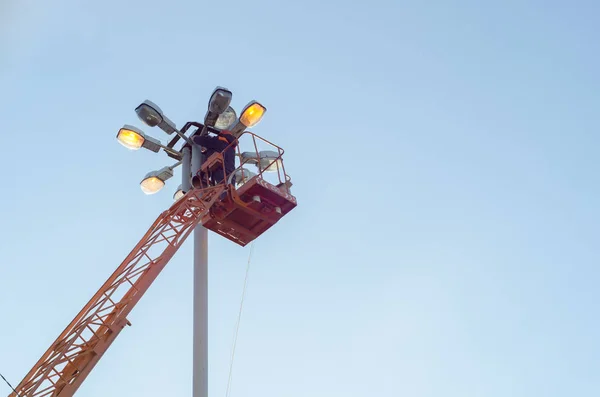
(237, 327)
(9, 385)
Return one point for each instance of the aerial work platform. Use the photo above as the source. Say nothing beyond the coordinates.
(251, 203)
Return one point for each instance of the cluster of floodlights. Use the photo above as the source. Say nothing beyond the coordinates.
(219, 115)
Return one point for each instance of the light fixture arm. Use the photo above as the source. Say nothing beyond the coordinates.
(177, 164)
(171, 152)
(182, 135)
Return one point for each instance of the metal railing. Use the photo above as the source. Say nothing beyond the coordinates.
(272, 162)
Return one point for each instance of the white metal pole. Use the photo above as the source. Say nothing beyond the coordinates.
(186, 164)
(200, 336)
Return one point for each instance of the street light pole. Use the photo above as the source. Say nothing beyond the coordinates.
(200, 306)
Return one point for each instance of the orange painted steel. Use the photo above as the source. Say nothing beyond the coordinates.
(240, 215)
(255, 206)
(71, 358)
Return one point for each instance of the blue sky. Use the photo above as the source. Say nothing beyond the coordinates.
(444, 156)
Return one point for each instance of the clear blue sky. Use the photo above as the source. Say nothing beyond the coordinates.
(444, 155)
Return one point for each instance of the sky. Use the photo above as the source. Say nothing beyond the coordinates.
(443, 155)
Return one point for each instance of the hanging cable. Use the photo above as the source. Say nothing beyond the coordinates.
(9, 385)
(237, 326)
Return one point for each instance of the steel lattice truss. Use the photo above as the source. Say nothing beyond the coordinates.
(71, 358)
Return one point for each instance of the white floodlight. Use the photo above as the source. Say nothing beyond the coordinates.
(270, 161)
(155, 180)
(226, 119)
(242, 175)
(267, 160)
(249, 158)
(179, 193)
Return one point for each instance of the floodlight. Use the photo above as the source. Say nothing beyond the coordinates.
(270, 161)
(219, 100)
(153, 116)
(217, 105)
(226, 119)
(267, 160)
(151, 185)
(251, 115)
(133, 138)
(155, 180)
(149, 113)
(249, 158)
(179, 193)
(242, 175)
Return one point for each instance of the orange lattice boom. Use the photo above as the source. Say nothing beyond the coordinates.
(71, 358)
(239, 213)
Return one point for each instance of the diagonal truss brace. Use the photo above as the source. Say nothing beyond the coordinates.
(70, 359)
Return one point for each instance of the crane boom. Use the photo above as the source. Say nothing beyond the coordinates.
(70, 359)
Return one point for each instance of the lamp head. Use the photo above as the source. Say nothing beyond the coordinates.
(151, 184)
(131, 137)
(154, 181)
(252, 114)
(179, 193)
(149, 113)
(153, 116)
(266, 161)
(270, 161)
(219, 100)
(243, 175)
(226, 119)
